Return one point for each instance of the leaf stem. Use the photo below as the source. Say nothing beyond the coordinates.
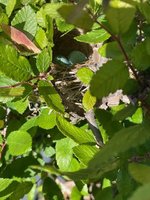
(114, 37)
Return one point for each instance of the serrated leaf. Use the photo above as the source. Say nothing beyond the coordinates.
(10, 6)
(19, 105)
(54, 192)
(110, 77)
(140, 172)
(20, 38)
(124, 113)
(50, 96)
(107, 159)
(120, 16)
(111, 50)
(85, 75)
(43, 61)
(19, 142)
(140, 56)
(85, 153)
(74, 14)
(4, 183)
(12, 65)
(11, 92)
(88, 100)
(22, 189)
(3, 20)
(64, 155)
(63, 26)
(78, 135)
(51, 9)
(41, 38)
(95, 36)
(144, 8)
(27, 17)
(46, 119)
(142, 192)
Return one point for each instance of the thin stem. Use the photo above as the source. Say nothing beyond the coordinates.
(114, 37)
(23, 82)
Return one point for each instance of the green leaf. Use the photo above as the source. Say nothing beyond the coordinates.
(111, 50)
(85, 75)
(106, 160)
(88, 101)
(46, 119)
(10, 6)
(95, 36)
(19, 142)
(51, 9)
(144, 8)
(140, 56)
(85, 153)
(43, 61)
(3, 20)
(50, 96)
(51, 190)
(142, 192)
(27, 18)
(4, 183)
(41, 38)
(74, 14)
(140, 172)
(13, 65)
(78, 135)
(110, 77)
(22, 189)
(120, 16)
(122, 141)
(7, 188)
(63, 26)
(106, 194)
(19, 105)
(11, 92)
(125, 112)
(75, 194)
(64, 155)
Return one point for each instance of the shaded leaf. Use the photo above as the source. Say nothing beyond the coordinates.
(142, 192)
(140, 172)
(120, 16)
(74, 14)
(111, 50)
(110, 77)
(51, 190)
(19, 142)
(78, 135)
(85, 153)
(50, 96)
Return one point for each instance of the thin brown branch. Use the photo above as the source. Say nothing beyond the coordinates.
(24, 82)
(115, 38)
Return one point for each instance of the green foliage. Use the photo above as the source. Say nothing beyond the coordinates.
(51, 133)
